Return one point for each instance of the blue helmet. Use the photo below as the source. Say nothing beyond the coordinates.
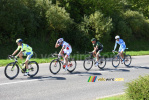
(18, 40)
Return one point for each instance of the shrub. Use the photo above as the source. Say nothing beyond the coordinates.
(138, 89)
(98, 26)
(138, 24)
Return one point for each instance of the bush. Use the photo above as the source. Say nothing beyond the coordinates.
(97, 26)
(138, 24)
(138, 89)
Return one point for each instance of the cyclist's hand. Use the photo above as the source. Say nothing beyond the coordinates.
(9, 55)
(16, 57)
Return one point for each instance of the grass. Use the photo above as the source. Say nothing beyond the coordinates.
(118, 97)
(4, 62)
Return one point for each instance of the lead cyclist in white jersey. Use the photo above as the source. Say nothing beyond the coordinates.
(122, 46)
(66, 49)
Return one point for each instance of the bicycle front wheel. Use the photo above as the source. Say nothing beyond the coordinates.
(55, 66)
(71, 65)
(127, 60)
(115, 61)
(11, 70)
(102, 62)
(88, 64)
(33, 68)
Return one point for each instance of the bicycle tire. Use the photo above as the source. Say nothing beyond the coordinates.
(5, 71)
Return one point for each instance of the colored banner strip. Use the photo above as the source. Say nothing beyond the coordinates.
(95, 78)
(89, 79)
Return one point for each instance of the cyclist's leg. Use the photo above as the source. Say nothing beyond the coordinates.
(29, 55)
(98, 54)
(21, 56)
(121, 50)
(68, 52)
(94, 54)
(62, 54)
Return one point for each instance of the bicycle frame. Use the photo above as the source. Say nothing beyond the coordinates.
(16, 62)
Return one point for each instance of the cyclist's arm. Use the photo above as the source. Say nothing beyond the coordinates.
(14, 52)
(115, 46)
(62, 50)
(57, 45)
(95, 48)
(19, 53)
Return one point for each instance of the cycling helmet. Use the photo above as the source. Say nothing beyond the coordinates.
(60, 40)
(18, 40)
(117, 37)
(93, 39)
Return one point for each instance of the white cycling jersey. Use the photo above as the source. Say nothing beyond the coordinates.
(67, 48)
(66, 45)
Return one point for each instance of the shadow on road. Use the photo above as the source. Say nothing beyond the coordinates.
(114, 70)
(41, 78)
(137, 67)
(85, 73)
(47, 77)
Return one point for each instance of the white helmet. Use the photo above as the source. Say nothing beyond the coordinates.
(60, 40)
(18, 40)
(117, 37)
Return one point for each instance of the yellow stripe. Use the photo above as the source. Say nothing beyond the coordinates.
(91, 79)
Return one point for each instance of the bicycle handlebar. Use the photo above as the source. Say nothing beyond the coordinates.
(12, 57)
(53, 55)
(90, 52)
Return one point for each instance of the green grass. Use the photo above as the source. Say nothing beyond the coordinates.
(119, 97)
(4, 62)
(138, 53)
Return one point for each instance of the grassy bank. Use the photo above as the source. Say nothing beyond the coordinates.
(119, 97)
(4, 62)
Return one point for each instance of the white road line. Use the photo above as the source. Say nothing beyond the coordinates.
(110, 95)
(19, 82)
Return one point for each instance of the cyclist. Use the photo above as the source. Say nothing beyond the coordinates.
(121, 48)
(26, 50)
(98, 47)
(66, 49)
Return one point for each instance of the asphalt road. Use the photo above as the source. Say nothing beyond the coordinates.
(66, 86)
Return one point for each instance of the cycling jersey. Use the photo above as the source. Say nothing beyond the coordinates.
(27, 50)
(24, 47)
(66, 45)
(122, 45)
(98, 44)
(67, 48)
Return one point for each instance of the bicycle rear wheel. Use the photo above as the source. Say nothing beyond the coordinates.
(71, 65)
(88, 64)
(55, 66)
(128, 60)
(102, 62)
(115, 61)
(33, 68)
(11, 70)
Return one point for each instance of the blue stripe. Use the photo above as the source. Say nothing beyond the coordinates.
(95, 78)
(22, 45)
(28, 53)
(30, 56)
(27, 45)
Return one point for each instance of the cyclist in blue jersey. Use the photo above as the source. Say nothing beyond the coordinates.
(122, 46)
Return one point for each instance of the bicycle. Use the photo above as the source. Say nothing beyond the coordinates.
(55, 64)
(12, 69)
(88, 62)
(116, 59)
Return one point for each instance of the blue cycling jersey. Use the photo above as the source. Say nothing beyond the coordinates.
(120, 42)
